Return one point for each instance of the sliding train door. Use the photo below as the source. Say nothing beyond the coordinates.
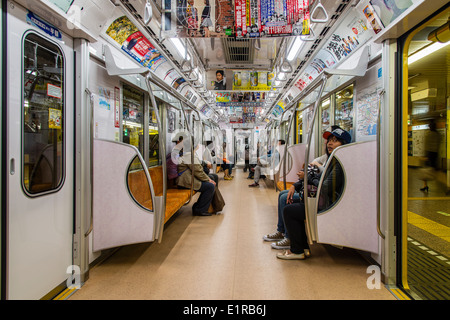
(425, 200)
(40, 153)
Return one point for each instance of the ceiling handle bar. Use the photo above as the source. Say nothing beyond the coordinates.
(319, 7)
(148, 12)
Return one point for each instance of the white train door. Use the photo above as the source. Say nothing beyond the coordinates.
(40, 135)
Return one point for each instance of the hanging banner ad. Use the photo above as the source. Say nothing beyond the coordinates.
(252, 80)
(240, 97)
(352, 33)
(136, 45)
(197, 18)
(238, 18)
(269, 18)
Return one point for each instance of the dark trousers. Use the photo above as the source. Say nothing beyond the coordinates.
(206, 195)
(294, 221)
(214, 177)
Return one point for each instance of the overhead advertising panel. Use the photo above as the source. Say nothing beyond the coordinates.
(352, 33)
(238, 18)
(136, 45)
(240, 99)
(252, 80)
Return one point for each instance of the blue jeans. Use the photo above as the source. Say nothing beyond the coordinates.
(282, 197)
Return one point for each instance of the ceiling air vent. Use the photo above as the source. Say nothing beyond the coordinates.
(238, 51)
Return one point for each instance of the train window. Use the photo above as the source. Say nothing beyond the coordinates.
(332, 186)
(343, 115)
(43, 115)
(138, 184)
(153, 147)
(299, 127)
(133, 117)
(325, 113)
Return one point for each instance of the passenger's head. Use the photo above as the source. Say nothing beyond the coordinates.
(281, 142)
(219, 75)
(336, 138)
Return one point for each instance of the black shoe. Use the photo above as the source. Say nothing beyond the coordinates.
(424, 189)
(202, 214)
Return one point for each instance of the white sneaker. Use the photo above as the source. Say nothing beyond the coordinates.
(283, 244)
(276, 236)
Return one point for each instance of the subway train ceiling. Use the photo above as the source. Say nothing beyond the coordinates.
(262, 55)
(267, 62)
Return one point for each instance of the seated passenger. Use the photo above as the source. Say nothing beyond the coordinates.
(202, 183)
(207, 168)
(281, 234)
(271, 159)
(294, 213)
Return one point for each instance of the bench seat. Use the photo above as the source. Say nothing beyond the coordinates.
(280, 185)
(175, 198)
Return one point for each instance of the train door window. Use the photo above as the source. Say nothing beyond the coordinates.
(43, 115)
(426, 149)
(343, 115)
(133, 117)
(153, 144)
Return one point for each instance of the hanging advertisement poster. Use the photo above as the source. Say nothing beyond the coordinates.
(249, 19)
(269, 18)
(197, 18)
(252, 80)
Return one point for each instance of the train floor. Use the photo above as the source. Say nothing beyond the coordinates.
(224, 257)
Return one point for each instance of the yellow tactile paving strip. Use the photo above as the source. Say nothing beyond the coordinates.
(429, 226)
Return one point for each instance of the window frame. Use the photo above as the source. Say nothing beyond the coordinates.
(62, 180)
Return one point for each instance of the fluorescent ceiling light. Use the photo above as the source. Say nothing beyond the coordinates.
(425, 52)
(180, 47)
(295, 47)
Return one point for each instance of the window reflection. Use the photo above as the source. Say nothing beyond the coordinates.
(343, 115)
(332, 186)
(43, 115)
(133, 117)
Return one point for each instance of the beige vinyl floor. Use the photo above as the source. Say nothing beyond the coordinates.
(223, 257)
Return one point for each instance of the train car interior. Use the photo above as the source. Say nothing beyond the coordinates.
(186, 149)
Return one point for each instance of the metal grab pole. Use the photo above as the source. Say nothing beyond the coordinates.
(162, 149)
(286, 147)
(191, 167)
(378, 166)
(308, 145)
